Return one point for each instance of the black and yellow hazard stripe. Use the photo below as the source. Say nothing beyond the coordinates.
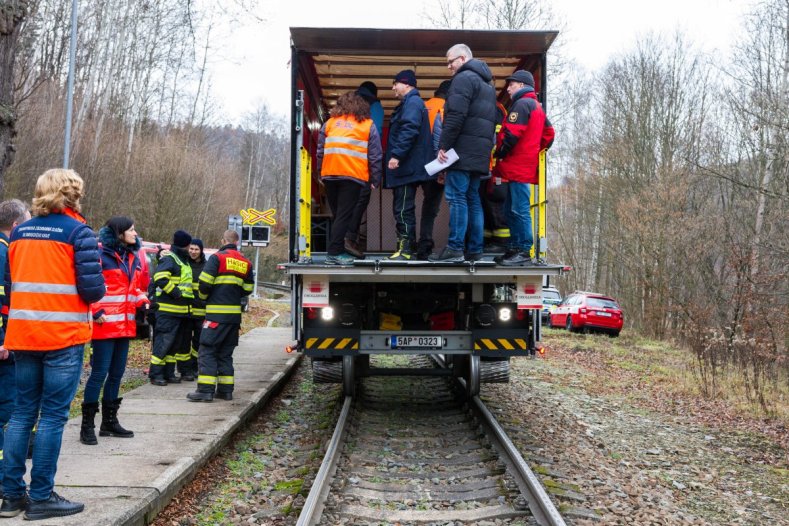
(500, 344)
(333, 344)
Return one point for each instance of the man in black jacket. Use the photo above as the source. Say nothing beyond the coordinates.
(470, 117)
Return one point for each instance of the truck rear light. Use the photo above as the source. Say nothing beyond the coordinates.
(311, 313)
(327, 313)
(505, 314)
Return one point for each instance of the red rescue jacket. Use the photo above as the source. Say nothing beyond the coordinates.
(119, 306)
(525, 131)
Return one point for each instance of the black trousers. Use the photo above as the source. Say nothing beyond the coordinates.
(215, 358)
(358, 213)
(190, 366)
(343, 195)
(170, 338)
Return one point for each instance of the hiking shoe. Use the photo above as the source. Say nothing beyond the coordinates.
(339, 259)
(507, 254)
(520, 259)
(54, 506)
(448, 256)
(475, 257)
(12, 506)
(404, 251)
(353, 248)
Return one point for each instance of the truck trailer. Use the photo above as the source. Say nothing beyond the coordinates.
(472, 317)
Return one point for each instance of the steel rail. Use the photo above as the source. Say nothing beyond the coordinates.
(313, 506)
(274, 286)
(540, 504)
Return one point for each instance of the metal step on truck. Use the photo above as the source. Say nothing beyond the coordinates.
(473, 317)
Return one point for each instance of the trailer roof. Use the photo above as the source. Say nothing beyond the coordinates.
(343, 58)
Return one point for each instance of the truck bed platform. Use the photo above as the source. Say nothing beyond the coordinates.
(377, 268)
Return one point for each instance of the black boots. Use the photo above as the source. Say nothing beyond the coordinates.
(110, 427)
(87, 433)
(200, 396)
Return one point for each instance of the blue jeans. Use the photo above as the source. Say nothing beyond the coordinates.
(461, 190)
(108, 363)
(7, 400)
(518, 209)
(46, 383)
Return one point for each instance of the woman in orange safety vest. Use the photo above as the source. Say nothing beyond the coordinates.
(349, 157)
(114, 324)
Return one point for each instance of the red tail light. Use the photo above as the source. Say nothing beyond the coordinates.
(312, 313)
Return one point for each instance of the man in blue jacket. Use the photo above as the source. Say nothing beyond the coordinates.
(12, 213)
(408, 150)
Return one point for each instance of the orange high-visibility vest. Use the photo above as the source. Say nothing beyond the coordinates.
(47, 313)
(345, 148)
(435, 106)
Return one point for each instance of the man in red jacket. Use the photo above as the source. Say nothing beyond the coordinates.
(525, 132)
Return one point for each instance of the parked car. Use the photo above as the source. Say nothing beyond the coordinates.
(588, 310)
(550, 299)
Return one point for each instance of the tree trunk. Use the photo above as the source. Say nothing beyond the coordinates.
(12, 12)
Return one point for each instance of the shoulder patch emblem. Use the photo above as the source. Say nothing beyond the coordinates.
(513, 116)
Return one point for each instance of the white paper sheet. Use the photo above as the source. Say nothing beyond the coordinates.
(436, 166)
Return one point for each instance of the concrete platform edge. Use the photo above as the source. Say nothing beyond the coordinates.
(182, 473)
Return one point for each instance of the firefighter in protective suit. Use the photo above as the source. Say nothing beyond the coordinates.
(174, 295)
(226, 278)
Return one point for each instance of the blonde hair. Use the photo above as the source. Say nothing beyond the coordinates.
(56, 190)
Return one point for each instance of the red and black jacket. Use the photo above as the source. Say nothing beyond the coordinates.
(524, 133)
(225, 279)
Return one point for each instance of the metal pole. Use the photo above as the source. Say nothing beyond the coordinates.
(70, 89)
(257, 258)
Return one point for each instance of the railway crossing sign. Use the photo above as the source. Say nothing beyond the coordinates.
(250, 216)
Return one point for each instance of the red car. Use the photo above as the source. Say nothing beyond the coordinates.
(588, 310)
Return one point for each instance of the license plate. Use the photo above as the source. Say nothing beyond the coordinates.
(606, 314)
(416, 341)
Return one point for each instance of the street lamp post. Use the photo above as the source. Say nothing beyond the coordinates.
(70, 87)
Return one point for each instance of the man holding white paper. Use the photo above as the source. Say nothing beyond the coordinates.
(469, 126)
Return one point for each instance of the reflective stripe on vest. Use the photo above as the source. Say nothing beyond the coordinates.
(119, 317)
(47, 316)
(345, 148)
(131, 298)
(223, 309)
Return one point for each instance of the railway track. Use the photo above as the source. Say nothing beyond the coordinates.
(416, 450)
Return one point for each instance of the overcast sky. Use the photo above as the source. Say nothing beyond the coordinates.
(253, 63)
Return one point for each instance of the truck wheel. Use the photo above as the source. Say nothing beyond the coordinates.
(326, 372)
(494, 371)
(472, 380)
(348, 375)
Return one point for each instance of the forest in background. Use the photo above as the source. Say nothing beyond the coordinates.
(669, 179)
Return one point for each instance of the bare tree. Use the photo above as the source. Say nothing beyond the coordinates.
(12, 13)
